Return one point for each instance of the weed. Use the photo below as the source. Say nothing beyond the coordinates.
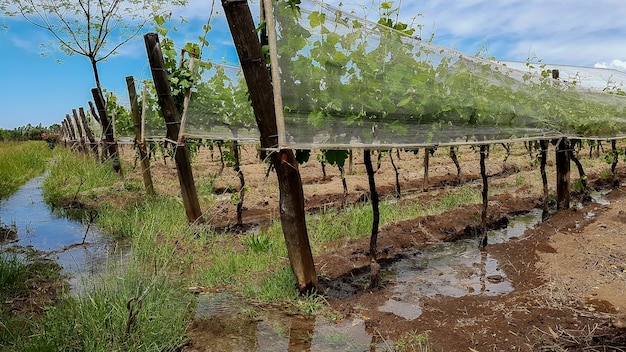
(312, 303)
(413, 342)
(258, 243)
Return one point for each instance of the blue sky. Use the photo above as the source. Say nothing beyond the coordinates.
(35, 89)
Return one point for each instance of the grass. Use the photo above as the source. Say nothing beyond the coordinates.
(137, 305)
(19, 162)
(24, 277)
(124, 312)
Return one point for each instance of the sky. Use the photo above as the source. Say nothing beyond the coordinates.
(41, 89)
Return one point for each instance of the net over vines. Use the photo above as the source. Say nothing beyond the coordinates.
(349, 82)
(219, 108)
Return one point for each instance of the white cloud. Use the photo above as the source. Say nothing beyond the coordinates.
(615, 64)
(574, 32)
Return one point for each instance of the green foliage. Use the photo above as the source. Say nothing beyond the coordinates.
(352, 81)
(26, 133)
(258, 243)
(124, 125)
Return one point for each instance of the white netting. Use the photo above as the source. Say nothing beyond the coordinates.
(219, 108)
(349, 82)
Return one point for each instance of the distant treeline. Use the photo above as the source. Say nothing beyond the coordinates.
(28, 132)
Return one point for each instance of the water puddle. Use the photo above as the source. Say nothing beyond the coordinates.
(225, 322)
(451, 269)
(60, 238)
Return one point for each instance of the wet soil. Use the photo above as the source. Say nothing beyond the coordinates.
(568, 273)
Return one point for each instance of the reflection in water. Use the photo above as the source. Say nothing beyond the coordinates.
(61, 238)
(451, 269)
(225, 322)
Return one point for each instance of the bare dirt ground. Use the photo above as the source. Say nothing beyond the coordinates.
(568, 272)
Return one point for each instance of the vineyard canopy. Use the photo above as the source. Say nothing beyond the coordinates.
(348, 82)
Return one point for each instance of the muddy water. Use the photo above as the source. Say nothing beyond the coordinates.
(79, 248)
(451, 269)
(224, 323)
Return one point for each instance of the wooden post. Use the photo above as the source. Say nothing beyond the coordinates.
(81, 132)
(562, 174)
(292, 213)
(107, 129)
(92, 140)
(104, 153)
(139, 142)
(71, 129)
(172, 122)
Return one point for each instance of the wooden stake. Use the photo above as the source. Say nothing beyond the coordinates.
(107, 130)
(172, 122)
(291, 202)
(141, 145)
(93, 145)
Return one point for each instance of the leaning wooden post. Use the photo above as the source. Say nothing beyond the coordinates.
(66, 132)
(562, 174)
(172, 122)
(81, 131)
(292, 213)
(104, 153)
(92, 140)
(139, 142)
(71, 130)
(107, 129)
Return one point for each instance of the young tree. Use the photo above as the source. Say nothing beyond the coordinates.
(95, 29)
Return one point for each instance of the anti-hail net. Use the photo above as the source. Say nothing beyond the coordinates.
(219, 108)
(349, 82)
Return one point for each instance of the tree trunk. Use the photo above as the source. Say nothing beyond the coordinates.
(141, 145)
(483, 217)
(426, 164)
(242, 183)
(172, 121)
(544, 177)
(562, 174)
(614, 163)
(374, 266)
(395, 169)
(455, 160)
(292, 213)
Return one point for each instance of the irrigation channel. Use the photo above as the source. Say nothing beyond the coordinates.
(79, 248)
